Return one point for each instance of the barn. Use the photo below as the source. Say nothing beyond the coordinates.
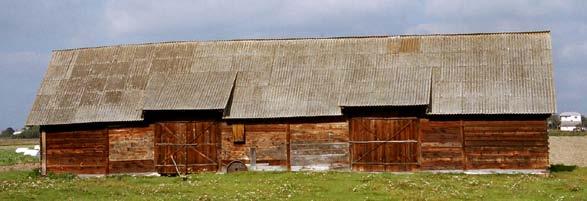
(442, 102)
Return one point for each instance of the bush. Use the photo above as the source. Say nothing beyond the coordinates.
(31, 132)
(562, 168)
(6, 133)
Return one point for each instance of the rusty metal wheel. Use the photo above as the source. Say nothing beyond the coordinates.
(236, 166)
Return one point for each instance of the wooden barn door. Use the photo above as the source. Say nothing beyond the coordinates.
(383, 144)
(188, 146)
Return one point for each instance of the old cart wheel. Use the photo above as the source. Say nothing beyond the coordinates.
(236, 166)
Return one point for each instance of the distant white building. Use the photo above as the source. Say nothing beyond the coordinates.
(570, 121)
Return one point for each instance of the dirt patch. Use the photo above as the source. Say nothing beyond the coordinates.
(20, 166)
(570, 150)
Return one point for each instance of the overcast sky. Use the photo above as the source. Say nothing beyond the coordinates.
(29, 30)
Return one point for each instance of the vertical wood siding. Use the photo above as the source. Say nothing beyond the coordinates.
(384, 144)
(193, 146)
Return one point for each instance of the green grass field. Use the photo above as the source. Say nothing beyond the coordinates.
(9, 157)
(566, 133)
(26, 185)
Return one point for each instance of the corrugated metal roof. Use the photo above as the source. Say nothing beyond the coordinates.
(492, 74)
(189, 91)
(503, 73)
(295, 93)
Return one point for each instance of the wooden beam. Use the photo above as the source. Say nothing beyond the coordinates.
(107, 151)
(43, 153)
(288, 147)
(380, 163)
(419, 146)
(384, 141)
(464, 154)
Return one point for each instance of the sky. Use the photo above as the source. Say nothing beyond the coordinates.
(30, 30)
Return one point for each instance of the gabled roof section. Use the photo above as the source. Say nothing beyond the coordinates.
(481, 73)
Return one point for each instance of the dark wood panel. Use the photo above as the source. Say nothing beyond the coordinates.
(442, 145)
(506, 144)
(79, 152)
(135, 166)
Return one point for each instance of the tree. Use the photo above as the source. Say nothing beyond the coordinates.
(30, 132)
(7, 132)
(554, 121)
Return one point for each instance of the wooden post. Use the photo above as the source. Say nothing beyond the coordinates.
(107, 154)
(462, 126)
(350, 137)
(288, 147)
(419, 146)
(218, 134)
(253, 158)
(43, 153)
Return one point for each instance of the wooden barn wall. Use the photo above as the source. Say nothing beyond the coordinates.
(484, 144)
(131, 149)
(319, 146)
(506, 144)
(269, 141)
(442, 145)
(80, 152)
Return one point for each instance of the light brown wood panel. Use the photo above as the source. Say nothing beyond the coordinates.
(268, 139)
(320, 146)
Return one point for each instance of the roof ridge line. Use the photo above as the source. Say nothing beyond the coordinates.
(302, 38)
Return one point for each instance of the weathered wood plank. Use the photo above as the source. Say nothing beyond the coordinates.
(79, 152)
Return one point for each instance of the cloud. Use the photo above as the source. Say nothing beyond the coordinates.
(245, 18)
(31, 29)
(20, 78)
(490, 10)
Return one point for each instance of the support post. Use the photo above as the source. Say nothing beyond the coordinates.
(43, 153)
(253, 158)
(288, 147)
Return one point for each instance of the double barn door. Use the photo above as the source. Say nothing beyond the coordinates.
(187, 147)
(384, 144)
